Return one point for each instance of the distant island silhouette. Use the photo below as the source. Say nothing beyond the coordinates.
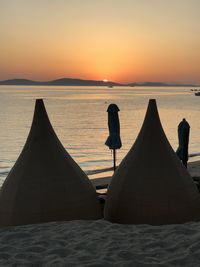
(81, 82)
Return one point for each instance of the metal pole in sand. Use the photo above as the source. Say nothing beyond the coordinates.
(114, 160)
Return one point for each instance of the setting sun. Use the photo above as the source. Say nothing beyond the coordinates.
(105, 80)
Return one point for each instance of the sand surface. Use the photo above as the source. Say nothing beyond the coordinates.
(100, 243)
(194, 169)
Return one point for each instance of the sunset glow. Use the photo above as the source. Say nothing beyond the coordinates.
(126, 40)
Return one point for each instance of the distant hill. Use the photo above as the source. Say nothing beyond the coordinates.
(63, 81)
(17, 82)
(80, 82)
(159, 84)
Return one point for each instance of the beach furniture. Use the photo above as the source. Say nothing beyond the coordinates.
(45, 183)
(183, 140)
(113, 141)
(151, 185)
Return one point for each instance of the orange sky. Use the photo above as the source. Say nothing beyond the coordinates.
(124, 41)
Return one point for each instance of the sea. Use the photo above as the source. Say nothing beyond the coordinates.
(80, 119)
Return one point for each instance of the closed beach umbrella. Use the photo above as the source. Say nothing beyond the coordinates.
(183, 138)
(113, 141)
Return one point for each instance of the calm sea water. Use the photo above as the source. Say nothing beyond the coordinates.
(79, 117)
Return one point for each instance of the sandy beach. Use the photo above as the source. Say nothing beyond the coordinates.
(99, 133)
(101, 243)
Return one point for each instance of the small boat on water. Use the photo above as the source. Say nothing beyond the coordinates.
(197, 94)
(110, 86)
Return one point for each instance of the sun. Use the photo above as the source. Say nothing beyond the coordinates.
(105, 80)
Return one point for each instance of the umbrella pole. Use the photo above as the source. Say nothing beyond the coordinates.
(114, 159)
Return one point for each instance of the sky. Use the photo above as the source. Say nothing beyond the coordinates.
(118, 40)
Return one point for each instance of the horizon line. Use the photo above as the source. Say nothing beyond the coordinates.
(105, 82)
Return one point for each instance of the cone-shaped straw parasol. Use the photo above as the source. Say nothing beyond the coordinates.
(45, 183)
(151, 186)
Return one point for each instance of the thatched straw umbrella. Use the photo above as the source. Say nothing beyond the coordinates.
(151, 186)
(45, 183)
